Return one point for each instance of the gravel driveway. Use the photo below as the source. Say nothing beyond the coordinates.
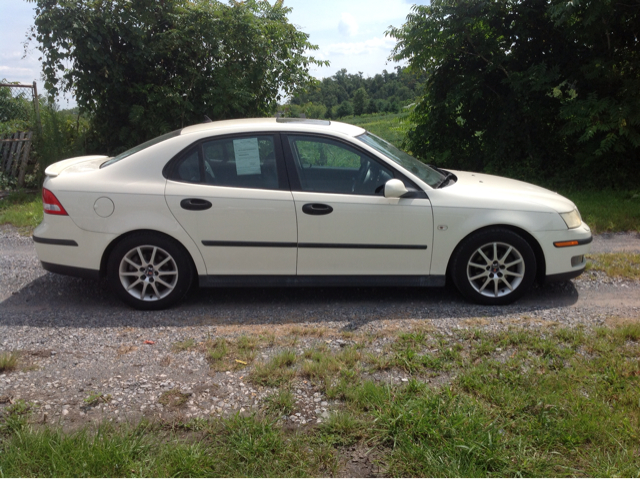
(76, 340)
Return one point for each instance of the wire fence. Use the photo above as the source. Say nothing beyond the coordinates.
(20, 114)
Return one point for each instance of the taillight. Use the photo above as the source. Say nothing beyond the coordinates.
(51, 204)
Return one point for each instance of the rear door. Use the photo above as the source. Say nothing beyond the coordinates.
(232, 196)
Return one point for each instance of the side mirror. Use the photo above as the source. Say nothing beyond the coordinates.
(394, 188)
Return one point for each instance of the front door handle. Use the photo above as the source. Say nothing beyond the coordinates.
(195, 204)
(316, 209)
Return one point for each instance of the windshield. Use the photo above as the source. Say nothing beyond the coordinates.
(140, 147)
(408, 162)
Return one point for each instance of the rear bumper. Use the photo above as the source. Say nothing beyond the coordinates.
(71, 270)
(64, 248)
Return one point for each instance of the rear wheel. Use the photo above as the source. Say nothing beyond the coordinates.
(150, 271)
(494, 266)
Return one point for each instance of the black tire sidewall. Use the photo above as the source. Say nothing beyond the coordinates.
(175, 249)
(469, 246)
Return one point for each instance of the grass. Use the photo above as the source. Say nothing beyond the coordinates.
(186, 345)
(22, 210)
(275, 372)
(616, 265)
(95, 398)
(173, 398)
(390, 126)
(607, 210)
(549, 402)
(8, 362)
(281, 402)
(224, 355)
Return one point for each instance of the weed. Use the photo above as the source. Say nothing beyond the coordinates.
(628, 332)
(95, 398)
(8, 362)
(185, 345)
(343, 428)
(276, 371)
(617, 265)
(16, 416)
(281, 402)
(22, 210)
(216, 353)
(173, 398)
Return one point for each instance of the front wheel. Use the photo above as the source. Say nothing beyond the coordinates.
(495, 266)
(149, 271)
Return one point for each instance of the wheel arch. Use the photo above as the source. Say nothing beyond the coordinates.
(109, 249)
(541, 265)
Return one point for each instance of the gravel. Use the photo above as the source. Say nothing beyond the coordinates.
(85, 357)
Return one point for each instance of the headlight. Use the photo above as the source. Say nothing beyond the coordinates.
(572, 219)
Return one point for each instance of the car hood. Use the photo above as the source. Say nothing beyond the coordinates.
(78, 164)
(495, 191)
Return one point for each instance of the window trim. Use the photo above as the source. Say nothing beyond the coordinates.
(283, 176)
(294, 178)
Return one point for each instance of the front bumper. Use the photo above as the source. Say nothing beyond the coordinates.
(569, 260)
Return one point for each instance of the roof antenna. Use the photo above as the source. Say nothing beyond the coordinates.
(207, 119)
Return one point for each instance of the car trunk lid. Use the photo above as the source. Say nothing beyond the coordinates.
(75, 165)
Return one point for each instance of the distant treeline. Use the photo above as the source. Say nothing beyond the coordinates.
(346, 94)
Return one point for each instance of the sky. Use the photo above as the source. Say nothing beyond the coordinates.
(349, 33)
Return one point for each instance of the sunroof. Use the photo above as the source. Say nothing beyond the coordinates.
(307, 121)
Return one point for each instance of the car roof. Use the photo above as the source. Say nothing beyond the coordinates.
(278, 124)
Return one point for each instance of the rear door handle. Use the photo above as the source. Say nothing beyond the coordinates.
(195, 204)
(316, 209)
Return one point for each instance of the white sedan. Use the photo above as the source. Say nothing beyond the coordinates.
(279, 202)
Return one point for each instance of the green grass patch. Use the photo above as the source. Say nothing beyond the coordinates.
(225, 355)
(22, 210)
(280, 402)
(391, 126)
(186, 345)
(173, 398)
(616, 265)
(234, 447)
(607, 210)
(520, 402)
(8, 362)
(275, 372)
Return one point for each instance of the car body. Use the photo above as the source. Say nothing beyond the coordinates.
(279, 202)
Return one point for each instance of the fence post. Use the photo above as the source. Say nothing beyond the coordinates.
(36, 104)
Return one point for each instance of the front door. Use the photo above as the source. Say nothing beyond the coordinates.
(346, 226)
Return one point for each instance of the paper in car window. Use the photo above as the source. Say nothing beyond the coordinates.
(247, 156)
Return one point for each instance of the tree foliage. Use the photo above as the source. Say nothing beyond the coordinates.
(535, 89)
(143, 67)
(384, 92)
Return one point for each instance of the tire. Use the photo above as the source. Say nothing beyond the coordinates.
(150, 271)
(495, 266)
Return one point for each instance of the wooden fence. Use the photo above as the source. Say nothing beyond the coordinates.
(14, 154)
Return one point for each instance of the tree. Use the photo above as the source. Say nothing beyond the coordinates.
(142, 68)
(528, 88)
(344, 109)
(359, 101)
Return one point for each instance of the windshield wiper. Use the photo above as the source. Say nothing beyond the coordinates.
(445, 180)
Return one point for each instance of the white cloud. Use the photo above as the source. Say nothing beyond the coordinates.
(348, 25)
(17, 71)
(367, 47)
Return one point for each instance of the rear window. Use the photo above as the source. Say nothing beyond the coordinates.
(140, 147)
